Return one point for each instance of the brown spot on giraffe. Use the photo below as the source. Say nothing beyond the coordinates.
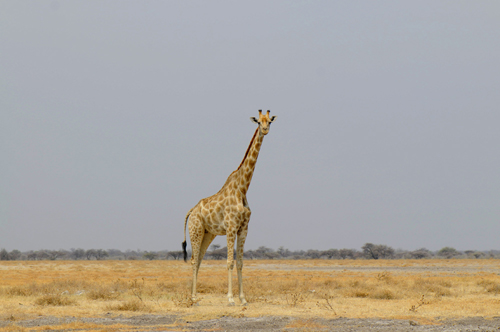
(226, 213)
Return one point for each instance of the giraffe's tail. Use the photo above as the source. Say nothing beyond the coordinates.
(184, 244)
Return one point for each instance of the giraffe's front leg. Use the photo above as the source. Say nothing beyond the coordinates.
(231, 237)
(242, 235)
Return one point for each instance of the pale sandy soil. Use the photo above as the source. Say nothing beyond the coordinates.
(268, 323)
(450, 267)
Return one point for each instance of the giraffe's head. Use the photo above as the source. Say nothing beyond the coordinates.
(264, 122)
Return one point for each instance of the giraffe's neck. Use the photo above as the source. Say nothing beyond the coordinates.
(243, 175)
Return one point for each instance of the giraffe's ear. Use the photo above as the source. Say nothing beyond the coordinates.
(272, 118)
(254, 120)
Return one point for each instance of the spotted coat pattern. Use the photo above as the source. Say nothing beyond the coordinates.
(227, 213)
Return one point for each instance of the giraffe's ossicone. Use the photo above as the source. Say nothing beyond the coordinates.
(226, 213)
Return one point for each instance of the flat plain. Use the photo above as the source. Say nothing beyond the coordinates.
(287, 294)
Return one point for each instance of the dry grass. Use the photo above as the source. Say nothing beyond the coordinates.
(419, 290)
(129, 305)
(55, 300)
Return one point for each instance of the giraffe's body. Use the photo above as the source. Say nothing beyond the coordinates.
(226, 213)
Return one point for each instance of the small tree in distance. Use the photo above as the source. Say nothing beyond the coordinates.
(448, 252)
(217, 253)
(420, 253)
(4, 255)
(77, 253)
(347, 253)
(376, 251)
(175, 254)
(15, 255)
(150, 255)
(100, 254)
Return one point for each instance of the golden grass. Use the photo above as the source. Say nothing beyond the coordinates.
(421, 290)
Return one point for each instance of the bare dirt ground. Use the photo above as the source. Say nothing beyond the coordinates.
(267, 323)
(450, 268)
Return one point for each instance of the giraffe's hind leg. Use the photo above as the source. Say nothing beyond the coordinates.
(196, 234)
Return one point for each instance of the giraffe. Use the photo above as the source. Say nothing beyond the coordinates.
(226, 213)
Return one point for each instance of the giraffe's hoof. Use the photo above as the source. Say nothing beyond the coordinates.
(231, 304)
(244, 303)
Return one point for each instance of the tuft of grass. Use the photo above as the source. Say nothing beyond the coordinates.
(184, 300)
(429, 285)
(420, 303)
(38, 289)
(495, 289)
(490, 286)
(130, 305)
(19, 291)
(328, 305)
(54, 300)
(213, 287)
(356, 288)
(293, 299)
(101, 292)
(332, 283)
(383, 294)
(384, 276)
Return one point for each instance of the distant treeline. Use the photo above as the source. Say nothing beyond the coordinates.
(368, 251)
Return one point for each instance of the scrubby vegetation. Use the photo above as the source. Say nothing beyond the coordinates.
(368, 251)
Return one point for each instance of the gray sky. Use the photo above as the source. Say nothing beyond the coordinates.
(117, 117)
